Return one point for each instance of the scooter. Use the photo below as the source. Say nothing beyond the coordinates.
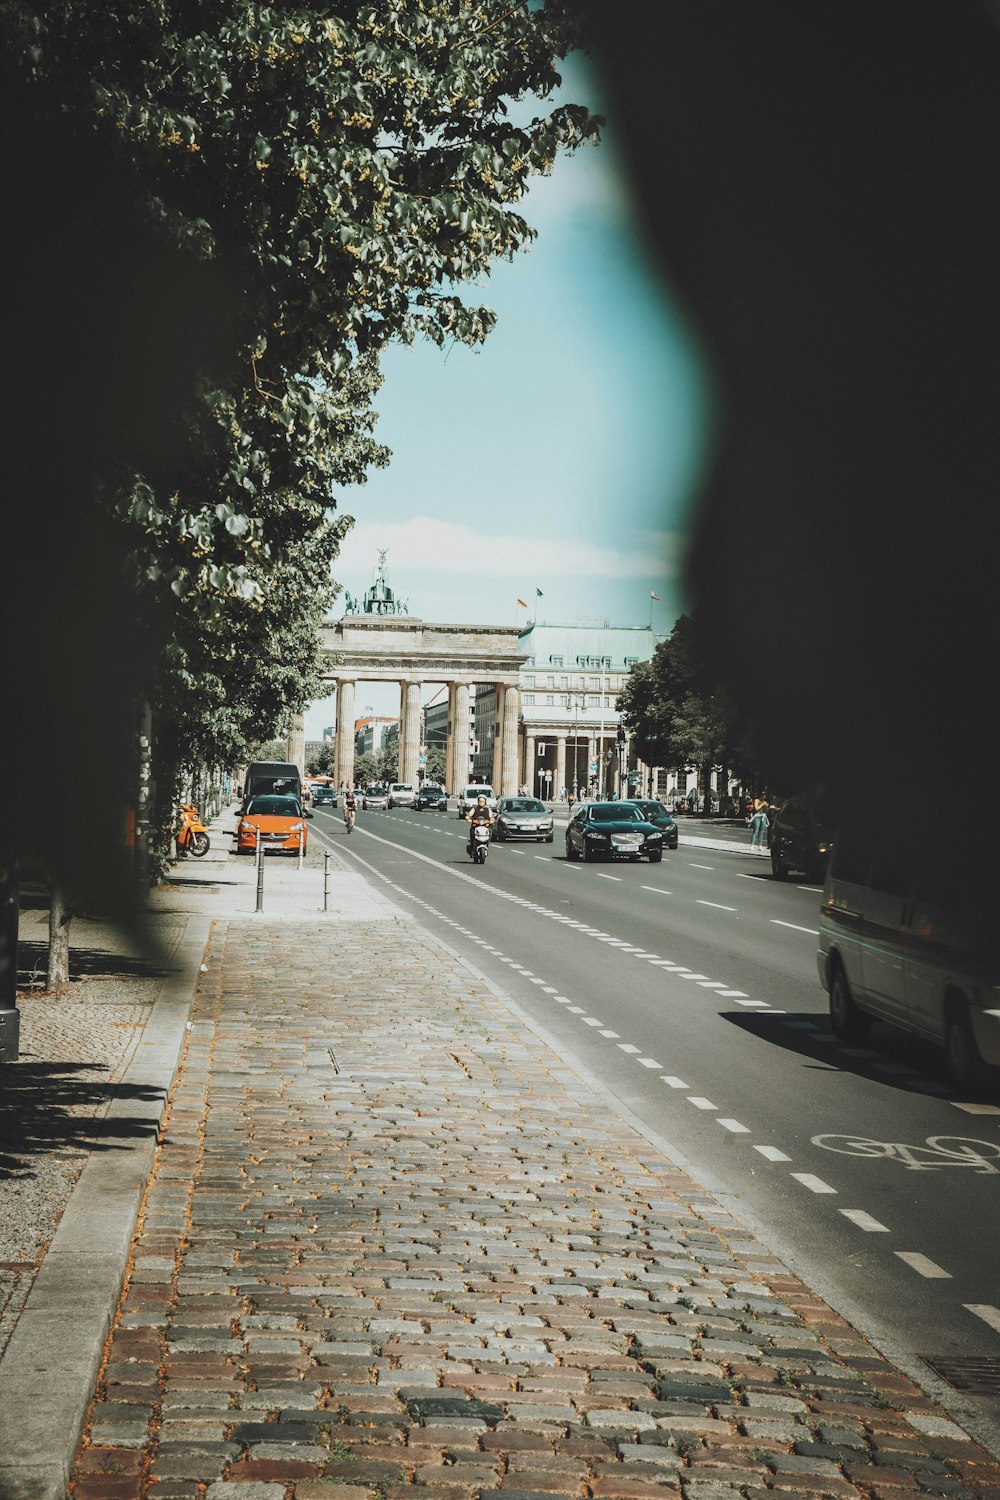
(192, 837)
(479, 842)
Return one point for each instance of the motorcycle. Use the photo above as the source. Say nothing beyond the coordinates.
(479, 842)
(192, 837)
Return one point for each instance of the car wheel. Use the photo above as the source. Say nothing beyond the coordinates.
(550, 838)
(654, 859)
(848, 1022)
(778, 870)
(965, 1066)
(588, 853)
(571, 853)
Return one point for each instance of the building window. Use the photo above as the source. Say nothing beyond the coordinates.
(564, 699)
(529, 697)
(529, 681)
(631, 661)
(550, 681)
(549, 699)
(593, 682)
(564, 682)
(556, 661)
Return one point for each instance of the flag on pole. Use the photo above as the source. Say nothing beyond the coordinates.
(654, 596)
(522, 604)
(539, 593)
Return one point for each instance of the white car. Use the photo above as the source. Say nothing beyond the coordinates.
(471, 796)
(401, 794)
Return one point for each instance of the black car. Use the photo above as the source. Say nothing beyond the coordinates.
(800, 836)
(656, 813)
(433, 796)
(324, 796)
(616, 830)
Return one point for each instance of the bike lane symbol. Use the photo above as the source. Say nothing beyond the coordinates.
(936, 1152)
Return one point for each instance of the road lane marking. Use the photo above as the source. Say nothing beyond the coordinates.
(688, 975)
(576, 1010)
(977, 1109)
(711, 984)
(674, 1082)
(814, 1184)
(864, 1221)
(611, 1035)
(923, 1266)
(734, 1127)
(717, 905)
(700, 867)
(628, 1047)
(550, 989)
(744, 1001)
(812, 931)
(601, 876)
(771, 1153)
(665, 963)
(990, 1315)
(592, 1021)
(700, 1102)
(657, 890)
(649, 1062)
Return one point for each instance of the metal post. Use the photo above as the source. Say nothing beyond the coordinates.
(326, 879)
(302, 849)
(260, 872)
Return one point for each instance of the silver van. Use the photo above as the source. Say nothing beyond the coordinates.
(910, 937)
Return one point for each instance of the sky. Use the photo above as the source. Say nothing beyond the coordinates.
(564, 454)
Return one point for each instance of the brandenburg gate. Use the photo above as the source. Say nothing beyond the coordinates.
(395, 647)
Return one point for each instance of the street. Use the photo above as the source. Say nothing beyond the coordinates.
(689, 991)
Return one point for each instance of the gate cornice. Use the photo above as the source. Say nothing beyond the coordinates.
(384, 648)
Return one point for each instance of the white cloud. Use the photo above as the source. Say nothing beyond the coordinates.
(426, 545)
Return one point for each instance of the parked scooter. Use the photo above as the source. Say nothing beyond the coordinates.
(479, 842)
(192, 836)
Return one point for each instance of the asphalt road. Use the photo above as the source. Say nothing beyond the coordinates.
(689, 988)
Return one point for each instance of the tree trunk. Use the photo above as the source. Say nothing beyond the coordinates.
(60, 917)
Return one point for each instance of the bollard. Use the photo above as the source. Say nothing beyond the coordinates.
(260, 873)
(302, 849)
(326, 879)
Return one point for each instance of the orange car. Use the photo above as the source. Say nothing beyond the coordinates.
(279, 819)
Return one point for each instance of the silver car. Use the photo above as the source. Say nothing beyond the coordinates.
(524, 818)
(401, 794)
(375, 796)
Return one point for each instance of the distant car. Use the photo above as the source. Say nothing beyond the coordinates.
(615, 830)
(800, 837)
(324, 796)
(376, 796)
(471, 794)
(655, 812)
(433, 796)
(279, 820)
(401, 794)
(524, 818)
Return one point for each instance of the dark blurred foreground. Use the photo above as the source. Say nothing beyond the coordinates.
(819, 182)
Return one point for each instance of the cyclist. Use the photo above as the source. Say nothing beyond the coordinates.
(350, 809)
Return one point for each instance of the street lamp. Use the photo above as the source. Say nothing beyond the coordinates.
(575, 703)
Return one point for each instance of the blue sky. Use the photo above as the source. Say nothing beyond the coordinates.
(565, 453)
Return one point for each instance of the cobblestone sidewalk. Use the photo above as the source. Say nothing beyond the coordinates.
(391, 1244)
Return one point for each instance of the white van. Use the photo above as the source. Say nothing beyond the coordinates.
(910, 937)
(472, 794)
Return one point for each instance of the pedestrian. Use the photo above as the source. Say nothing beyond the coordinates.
(759, 827)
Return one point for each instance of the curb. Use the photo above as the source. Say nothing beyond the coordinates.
(52, 1360)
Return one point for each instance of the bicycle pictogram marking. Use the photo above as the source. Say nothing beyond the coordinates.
(937, 1151)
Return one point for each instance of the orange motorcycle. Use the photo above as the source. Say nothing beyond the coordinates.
(192, 836)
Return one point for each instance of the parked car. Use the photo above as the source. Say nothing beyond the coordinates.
(909, 937)
(471, 795)
(800, 837)
(401, 794)
(433, 796)
(324, 796)
(655, 813)
(614, 830)
(279, 820)
(376, 796)
(524, 818)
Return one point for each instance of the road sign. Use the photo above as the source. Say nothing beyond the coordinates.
(593, 768)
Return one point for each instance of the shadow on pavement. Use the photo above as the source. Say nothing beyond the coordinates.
(86, 963)
(48, 1107)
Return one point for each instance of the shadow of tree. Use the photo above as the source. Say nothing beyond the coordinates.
(48, 1107)
(87, 963)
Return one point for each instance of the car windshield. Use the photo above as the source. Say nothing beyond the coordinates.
(653, 810)
(523, 805)
(613, 812)
(274, 806)
(402, 786)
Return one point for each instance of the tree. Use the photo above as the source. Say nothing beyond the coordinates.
(677, 714)
(307, 187)
(320, 763)
(435, 768)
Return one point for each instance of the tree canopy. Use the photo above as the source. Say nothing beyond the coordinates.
(316, 183)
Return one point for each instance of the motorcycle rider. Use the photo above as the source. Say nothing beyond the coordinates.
(479, 814)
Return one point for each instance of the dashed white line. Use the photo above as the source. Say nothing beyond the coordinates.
(628, 1047)
(657, 891)
(688, 975)
(813, 931)
(673, 1082)
(592, 1021)
(744, 1000)
(734, 1127)
(700, 867)
(601, 876)
(717, 905)
(771, 1153)
(611, 1035)
(864, 1221)
(700, 1102)
(712, 984)
(923, 1266)
(649, 1062)
(814, 1184)
(576, 1010)
(990, 1315)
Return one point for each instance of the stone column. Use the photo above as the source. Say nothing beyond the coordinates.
(460, 773)
(401, 738)
(530, 765)
(410, 752)
(560, 780)
(508, 735)
(344, 769)
(295, 752)
(496, 774)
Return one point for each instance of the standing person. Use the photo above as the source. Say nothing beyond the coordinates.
(759, 827)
